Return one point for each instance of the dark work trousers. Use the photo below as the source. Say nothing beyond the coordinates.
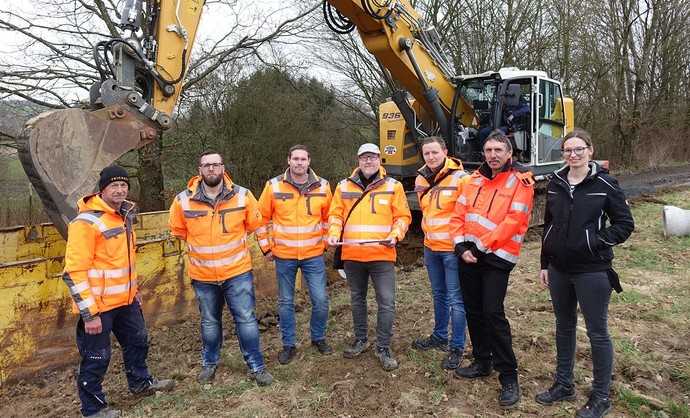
(382, 275)
(484, 289)
(592, 291)
(127, 323)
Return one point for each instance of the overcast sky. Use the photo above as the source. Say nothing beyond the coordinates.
(214, 19)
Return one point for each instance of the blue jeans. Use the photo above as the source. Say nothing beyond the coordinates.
(442, 267)
(314, 273)
(127, 323)
(238, 293)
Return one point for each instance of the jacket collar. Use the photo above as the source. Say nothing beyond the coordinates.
(95, 203)
(312, 179)
(485, 170)
(594, 170)
(451, 164)
(378, 177)
(197, 193)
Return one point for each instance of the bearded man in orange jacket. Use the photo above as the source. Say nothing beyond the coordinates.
(100, 272)
(369, 210)
(488, 226)
(214, 215)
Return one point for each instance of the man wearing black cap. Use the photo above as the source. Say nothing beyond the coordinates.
(101, 276)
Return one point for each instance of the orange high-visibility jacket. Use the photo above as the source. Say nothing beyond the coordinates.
(383, 214)
(437, 195)
(215, 232)
(100, 257)
(492, 214)
(294, 222)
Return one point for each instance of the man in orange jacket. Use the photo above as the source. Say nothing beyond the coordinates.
(294, 208)
(100, 272)
(370, 212)
(438, 186)
(214, 216)
(487, 227)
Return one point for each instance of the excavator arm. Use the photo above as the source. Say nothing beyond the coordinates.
(410, 51)
(63, 151)
(141, 77)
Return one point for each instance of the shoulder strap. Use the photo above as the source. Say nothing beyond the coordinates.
(435, 182)
(342, 231)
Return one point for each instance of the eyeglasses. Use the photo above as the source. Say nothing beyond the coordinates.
(579, 151)
(211, 165)
(368, 157)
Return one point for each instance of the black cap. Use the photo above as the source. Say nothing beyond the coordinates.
(110, 174)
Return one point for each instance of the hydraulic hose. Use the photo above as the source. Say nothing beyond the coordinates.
(430, 94)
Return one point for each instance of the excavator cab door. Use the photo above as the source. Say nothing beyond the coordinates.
(515, 116)
(550, 123)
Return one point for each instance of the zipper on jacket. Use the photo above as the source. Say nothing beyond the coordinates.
(491, 202)
(479, 191)
(548, 231)
(588, 244)
(128, 232)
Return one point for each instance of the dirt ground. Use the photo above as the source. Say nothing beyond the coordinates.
(649, 324)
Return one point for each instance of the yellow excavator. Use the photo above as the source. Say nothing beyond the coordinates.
(142, 72)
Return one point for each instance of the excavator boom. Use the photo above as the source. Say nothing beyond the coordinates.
(63, 151)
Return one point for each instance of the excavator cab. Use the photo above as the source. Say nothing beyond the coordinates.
(527, 105)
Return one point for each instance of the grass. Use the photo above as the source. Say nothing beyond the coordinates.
(649, 323)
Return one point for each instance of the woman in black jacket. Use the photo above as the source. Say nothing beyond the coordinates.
(586, 215)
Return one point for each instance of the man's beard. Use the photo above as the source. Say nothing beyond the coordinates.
(212, 180)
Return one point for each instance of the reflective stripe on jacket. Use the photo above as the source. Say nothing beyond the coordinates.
(382, 215)
(100, 257)
(491, 215)
(216, 233)
(294, 222)
(437, 203)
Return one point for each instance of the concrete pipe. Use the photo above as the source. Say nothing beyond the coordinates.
(676, 221)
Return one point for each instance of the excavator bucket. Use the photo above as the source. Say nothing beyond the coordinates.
(63, 152)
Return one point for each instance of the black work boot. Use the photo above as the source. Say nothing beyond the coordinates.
(556, 393)
(430, 343)
(474, 370)
(453, 359)
(594, 408)
(357, 347)
(322, 346)
(287, 354)
(153, 385)
(510, 395)
(207, 373)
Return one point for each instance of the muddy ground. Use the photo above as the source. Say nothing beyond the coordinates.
(649, 324)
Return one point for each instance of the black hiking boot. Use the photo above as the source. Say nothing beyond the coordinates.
(594, 408)
(556, 393)
(453, 359)
(510, 395)
(474, 370)
(429, 343)
(322, 346)
(287, 354)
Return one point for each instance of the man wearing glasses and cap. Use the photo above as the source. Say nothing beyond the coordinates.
(368, 216)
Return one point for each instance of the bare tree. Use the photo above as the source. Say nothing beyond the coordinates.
(56, 70)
